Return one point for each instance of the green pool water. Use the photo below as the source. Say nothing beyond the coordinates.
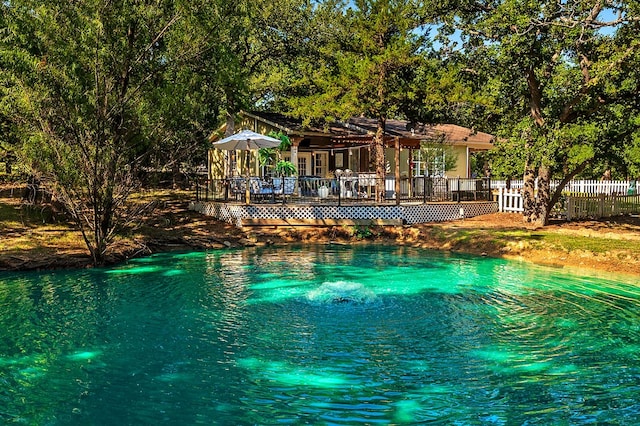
(318, 335)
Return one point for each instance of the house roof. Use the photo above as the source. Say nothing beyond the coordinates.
(293, 126)
(452, 133)
(362, 130)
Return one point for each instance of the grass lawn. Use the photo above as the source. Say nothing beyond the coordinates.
(31, 231)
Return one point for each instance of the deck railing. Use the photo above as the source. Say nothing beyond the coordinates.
(358, 188)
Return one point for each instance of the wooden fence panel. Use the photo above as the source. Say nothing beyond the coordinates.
(581, 206)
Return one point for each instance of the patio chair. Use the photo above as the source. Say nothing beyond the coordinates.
(289, 185)
(237, 187)
(348, 184)
(260, 189)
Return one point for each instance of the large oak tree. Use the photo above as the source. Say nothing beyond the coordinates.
(564, 81)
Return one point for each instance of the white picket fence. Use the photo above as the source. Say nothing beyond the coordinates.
(576, 206)
(576, 186)
(510, 200)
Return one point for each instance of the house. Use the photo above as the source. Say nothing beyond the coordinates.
(319, 151)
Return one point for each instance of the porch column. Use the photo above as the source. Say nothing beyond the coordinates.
(468, 164)
(295, 142)
(410, 172)
(397, 171)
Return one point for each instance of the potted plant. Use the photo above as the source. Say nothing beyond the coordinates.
(270, 157)
(285, 168)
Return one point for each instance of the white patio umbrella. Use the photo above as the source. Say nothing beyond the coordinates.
(246, 140)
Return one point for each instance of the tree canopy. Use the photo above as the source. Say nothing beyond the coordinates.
(78, 81)
(563, 81)
(366, 62)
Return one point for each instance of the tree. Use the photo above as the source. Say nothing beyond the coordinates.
(8, 143)
(271, 158)
(239, 46)
(368, 56)
(560, 75)
(78, 74)
(185, 109)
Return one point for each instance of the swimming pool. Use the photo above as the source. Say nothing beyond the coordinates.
(318, 335)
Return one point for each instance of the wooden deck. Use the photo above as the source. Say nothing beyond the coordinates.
(243, 215)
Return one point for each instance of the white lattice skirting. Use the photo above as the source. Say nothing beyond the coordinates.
(410, 214)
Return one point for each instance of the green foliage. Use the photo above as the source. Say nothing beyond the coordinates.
(267, 156)
(285, 168)
(362, 232)
(632, 154)
(507, 159)
(235, 49)
(365, 62)
(562, 82)
(77, 83)
(285, 144)
(359, 232)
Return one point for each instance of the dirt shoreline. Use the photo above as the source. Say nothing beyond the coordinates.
(504, 235)
(173, 227)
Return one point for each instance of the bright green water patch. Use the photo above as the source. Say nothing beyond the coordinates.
(84, 355)
(322, 335)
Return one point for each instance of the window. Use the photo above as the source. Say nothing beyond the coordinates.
(302, 166)
(321, 163)
(429, 162)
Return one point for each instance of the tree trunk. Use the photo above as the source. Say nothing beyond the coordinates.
(531, 207)
(543, 199)
(231, 124)
(535, 100)
(175, 176)
(231, 111)
(568, 177)
(230, 156)
(528, 194)
(397, 170)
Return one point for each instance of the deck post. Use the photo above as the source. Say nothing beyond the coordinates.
(295, 142)
(397, 171)
(410, 174)
(489, 193)
(424, 188)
